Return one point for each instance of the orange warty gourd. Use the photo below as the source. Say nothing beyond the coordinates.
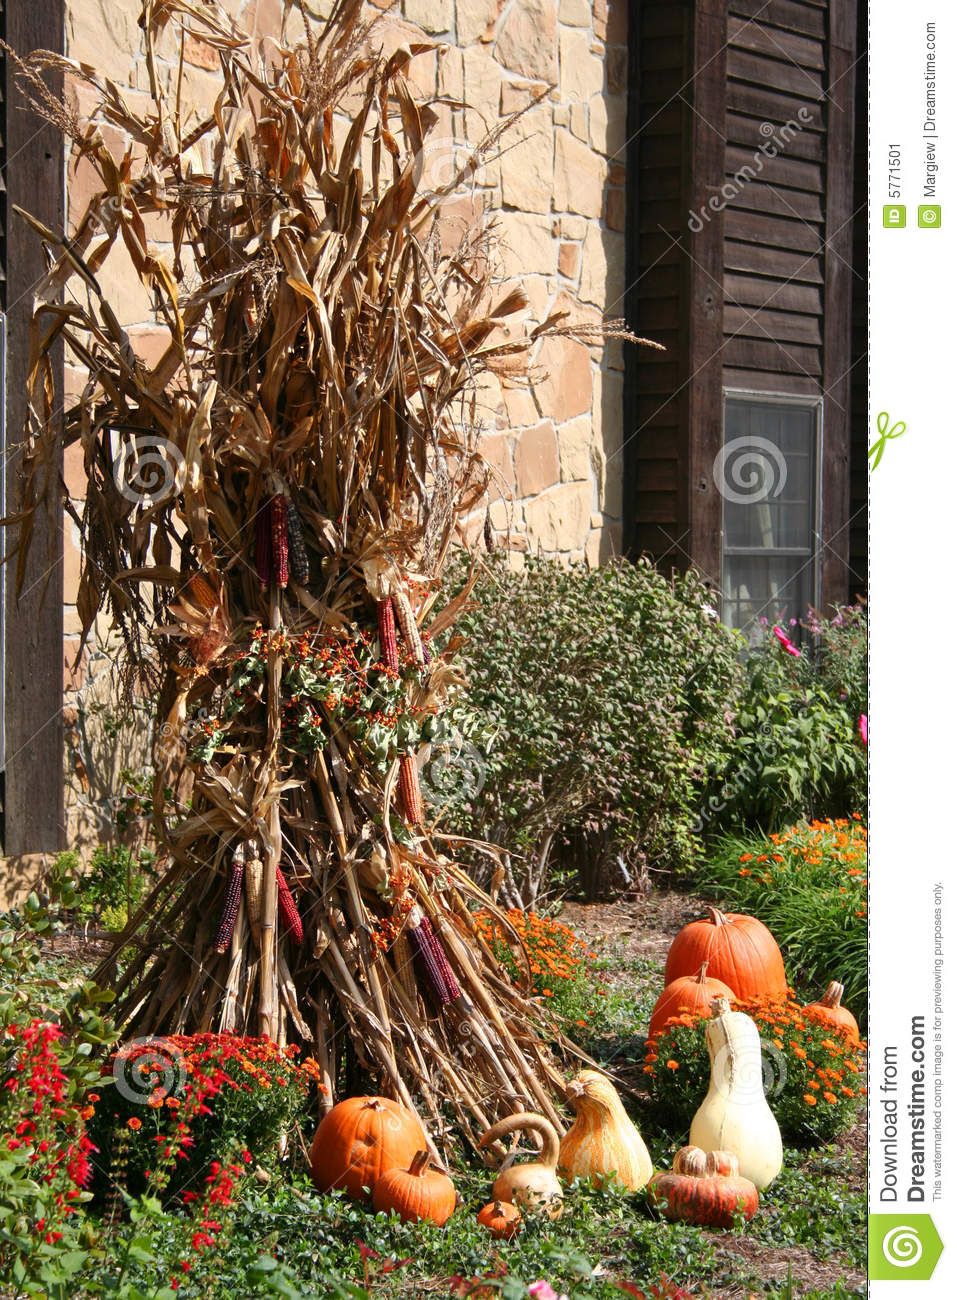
(361, 1139)
(828, 1010)
(706, 1189)
(739, 950)
(416, 1193)
(502, 1218)
(689, 994)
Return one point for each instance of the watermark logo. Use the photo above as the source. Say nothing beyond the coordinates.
(763, 1071)
(445, 162)
(149, 469)
(902, 1247)
(895, 216)
(748, 470)
(148, 1070)
(455, 772)
(776, 137)
(928, 217)
(887, 432)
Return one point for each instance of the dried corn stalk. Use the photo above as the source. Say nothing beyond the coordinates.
(323, 341)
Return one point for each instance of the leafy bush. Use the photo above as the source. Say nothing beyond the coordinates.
(796, 750)
(808, 884)
(192, 1097)
(842, 655)
(813, 1074)
(606, 692)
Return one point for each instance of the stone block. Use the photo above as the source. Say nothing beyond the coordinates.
(603, 269)
(449, 72)
(575, 13)
(557, 520)
(430, 15)
(475, 19)
(606, 125)
(105, 34)
(526, 164)
(536, 460)
(616, 68)
(526, 243)
(578, 120)
(568, 255)
(527, 41)
(615, 209)
(582, 73)
(579, 176)
(564, 391)
(574, 449)
(520, 407)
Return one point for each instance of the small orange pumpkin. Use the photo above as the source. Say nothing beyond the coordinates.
(361, 1139)
(416, 1193)
(739, 950)
(704, 1188)
(828, 1011)
(502, 1218)
(687, 995)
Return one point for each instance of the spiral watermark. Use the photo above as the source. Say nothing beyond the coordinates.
(444, 162)
(149, 469)
(763, 1070)
(748, 470)
(148, 1070)
(455, 772)
(902, 1246)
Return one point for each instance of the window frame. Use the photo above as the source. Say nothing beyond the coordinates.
(805, 401)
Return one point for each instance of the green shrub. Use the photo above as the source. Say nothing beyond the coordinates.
(808, 884)
(605, 692)
(796, 750)
(115, 884)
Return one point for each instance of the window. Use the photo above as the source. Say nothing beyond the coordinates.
(767, 474)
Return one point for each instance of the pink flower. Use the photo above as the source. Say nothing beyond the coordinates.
(787, 643)
(862, 727)
(542, 1290)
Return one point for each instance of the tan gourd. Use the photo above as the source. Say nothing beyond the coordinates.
(735, 1115)
(603, 1140)
(534, 1183)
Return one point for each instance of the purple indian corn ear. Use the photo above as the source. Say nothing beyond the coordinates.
(410, 629)
(264, 545)
(298, 555)
(278, 519)
(410, 789)
(387, 639)
(288, 912)
(234, 892)
(435, 964)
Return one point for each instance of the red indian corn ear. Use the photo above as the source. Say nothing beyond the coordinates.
(278, 521)
(288, 912)
(435, 964)
(387, 640)
(263, 546)
(410, 789)
(410, 629)
(234, 891)
(298, 555)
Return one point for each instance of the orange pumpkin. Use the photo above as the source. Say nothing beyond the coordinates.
(361, 1139)
(704, 1188)
(502, 1218)
(416, 1193)
(739, 950)
(828, 1011)
(687, 995)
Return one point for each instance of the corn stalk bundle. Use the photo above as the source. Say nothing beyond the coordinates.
(269, 504)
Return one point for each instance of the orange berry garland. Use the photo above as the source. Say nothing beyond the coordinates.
(799, 1052)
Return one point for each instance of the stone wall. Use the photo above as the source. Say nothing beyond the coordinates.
(557, 191)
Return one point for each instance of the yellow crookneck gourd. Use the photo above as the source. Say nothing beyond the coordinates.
(603, 1140)
(534, 1183)
(735, 1115)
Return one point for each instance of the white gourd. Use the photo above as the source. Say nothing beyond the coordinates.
(735, 1115)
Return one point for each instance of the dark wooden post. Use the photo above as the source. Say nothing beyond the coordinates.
(838, 254)
(33, 759)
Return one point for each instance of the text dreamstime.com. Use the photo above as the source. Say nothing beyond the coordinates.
(778, 137)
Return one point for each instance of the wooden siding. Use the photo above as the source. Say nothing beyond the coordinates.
(33, 793)
(857, 557)
(774, 263)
